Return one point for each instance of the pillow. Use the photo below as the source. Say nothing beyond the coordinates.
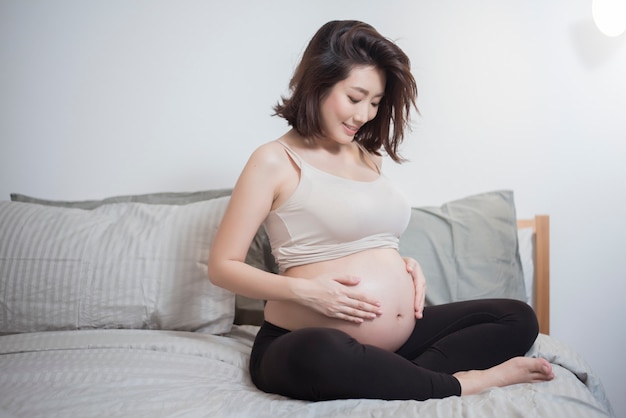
(467, 248)
(247, 311)
(526, 244)
(124, 265)
(168, 198)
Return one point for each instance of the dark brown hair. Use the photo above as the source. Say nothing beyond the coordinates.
(332, 53)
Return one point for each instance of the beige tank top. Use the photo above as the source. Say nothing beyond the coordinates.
(329, 217)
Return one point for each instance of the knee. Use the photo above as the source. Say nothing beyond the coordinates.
(525, 321)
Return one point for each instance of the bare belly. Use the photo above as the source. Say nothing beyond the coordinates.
(383, 276)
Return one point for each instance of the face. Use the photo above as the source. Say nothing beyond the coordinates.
(351, 103)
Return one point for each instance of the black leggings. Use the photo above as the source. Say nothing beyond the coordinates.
(323, 363)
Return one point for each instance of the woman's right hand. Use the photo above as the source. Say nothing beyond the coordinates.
(335, 296)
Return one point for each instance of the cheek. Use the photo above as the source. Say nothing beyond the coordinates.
(373, 113)
(335, 108)
(337, 105)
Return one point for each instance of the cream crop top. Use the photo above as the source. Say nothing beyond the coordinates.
(329, 217)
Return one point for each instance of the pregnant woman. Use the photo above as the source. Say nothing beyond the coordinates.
(345, 315)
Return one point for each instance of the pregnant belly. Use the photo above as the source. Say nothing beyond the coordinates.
(382, 275)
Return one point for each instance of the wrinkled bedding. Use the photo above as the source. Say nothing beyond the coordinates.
(132, 373)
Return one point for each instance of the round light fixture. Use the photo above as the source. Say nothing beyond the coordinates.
(609, 16)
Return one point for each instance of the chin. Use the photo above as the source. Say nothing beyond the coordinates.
(340, 136)
(344, 138)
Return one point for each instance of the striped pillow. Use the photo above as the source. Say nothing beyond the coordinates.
(124, 265)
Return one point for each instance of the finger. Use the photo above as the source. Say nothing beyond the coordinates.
(351, 315)
(363, 303)
(419, 310)
(357, 315)
(348, 280)
(349, 318)
(419, 313)
(420, 301)
(360, 309)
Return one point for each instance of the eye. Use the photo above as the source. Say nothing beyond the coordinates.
(375, 105)
(353, 100)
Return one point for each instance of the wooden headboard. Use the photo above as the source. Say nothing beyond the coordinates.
(541, 227)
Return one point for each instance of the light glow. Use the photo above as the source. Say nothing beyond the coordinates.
(609, 16)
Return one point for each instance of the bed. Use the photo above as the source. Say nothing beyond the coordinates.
(107, 311)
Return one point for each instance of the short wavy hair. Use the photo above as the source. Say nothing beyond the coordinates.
(336, 48)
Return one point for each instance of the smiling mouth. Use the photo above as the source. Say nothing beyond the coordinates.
(351, 129)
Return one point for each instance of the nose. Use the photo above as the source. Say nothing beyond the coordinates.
(362, 114)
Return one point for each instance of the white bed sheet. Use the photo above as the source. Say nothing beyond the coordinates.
(135, 373)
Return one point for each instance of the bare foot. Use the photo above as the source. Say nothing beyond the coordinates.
(515, 370)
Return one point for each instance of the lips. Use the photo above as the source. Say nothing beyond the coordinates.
(352, 130)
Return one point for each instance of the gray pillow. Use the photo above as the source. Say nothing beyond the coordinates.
(124, 265)
(247, 311)
(167, 198)
(467, 248)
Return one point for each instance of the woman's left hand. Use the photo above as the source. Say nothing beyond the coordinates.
(419, 281)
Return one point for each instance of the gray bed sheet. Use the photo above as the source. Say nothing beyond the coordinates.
(136, 373)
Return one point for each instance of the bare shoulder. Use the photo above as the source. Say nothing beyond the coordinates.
(269, 164)
(271, 155)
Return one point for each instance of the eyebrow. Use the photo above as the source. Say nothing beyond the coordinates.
(365, 91)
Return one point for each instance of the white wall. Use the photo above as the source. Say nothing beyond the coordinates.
(118, 97)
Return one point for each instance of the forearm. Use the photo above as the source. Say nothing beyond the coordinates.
(249, 281)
